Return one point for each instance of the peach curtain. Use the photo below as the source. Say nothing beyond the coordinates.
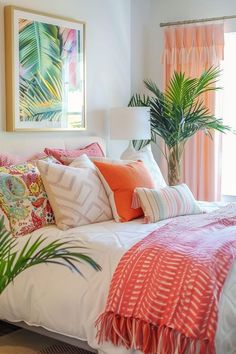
(194, 49)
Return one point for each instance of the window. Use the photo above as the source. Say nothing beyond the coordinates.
(229, 116)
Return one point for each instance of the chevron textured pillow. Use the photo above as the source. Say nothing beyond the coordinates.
(76, 195)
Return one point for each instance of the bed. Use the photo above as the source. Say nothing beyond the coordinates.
(60, 303)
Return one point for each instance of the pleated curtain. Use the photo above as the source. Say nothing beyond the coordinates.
(194, 49)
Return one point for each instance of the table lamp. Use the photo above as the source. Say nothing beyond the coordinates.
(130, 123)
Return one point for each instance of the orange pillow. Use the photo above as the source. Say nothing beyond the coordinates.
(120, 182)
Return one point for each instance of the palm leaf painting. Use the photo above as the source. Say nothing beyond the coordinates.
(39, 48)
(49, 71)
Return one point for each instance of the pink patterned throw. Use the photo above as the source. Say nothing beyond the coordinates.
(165, 291)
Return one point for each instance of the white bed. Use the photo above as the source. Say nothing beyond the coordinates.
(64, 303)
(61, 301)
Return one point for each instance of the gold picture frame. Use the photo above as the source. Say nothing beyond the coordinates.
(45, 71)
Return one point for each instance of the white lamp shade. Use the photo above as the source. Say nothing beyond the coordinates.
(130, 123)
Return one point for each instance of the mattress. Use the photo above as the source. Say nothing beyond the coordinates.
(62, 301)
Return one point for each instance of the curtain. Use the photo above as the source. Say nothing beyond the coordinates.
(194, 49)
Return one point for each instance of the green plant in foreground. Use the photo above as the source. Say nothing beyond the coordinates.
(179, 113)
(34, 252)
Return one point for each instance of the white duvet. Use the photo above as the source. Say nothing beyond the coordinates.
(61, 301)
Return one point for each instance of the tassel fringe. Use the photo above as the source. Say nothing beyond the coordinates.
(133, 333)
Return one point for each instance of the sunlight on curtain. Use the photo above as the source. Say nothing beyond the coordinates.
(229, 114)
(194, 49)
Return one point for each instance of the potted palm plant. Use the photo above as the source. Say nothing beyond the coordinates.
(34, 252)
(179, 113)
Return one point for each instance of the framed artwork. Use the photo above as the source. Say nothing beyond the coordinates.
(45, 72)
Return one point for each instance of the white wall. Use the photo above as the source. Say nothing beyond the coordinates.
(107, 56)
(140, 35)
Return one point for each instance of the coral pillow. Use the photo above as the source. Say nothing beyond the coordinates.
(145, 155)
(23, 199)
(120, 181)
(92, 150)
(168, 202)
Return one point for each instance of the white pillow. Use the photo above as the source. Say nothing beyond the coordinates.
(145, 155)
(76, 195)
(83, 162)
(111, 160)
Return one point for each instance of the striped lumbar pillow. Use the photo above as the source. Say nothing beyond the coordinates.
(168, 202)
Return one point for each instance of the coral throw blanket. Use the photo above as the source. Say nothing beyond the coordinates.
(164, 295)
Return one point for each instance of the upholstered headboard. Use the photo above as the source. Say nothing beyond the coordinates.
(25, 145)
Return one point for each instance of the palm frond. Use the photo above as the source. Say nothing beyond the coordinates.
(138, 100)
(152, 87)
(40, 98)
(139, 144)
(179, 112)
(62, 252)
(39, 48)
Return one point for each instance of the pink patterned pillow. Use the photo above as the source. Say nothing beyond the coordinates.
(92, 150)
(37, 156)
(10, 160)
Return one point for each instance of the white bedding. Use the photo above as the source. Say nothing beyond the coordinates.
(62, 301)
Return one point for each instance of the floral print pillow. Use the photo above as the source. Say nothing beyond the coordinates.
(23, 199)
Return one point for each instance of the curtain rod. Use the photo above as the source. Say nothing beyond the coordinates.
(165, 24)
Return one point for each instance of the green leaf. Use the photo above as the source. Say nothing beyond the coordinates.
(64, 252)
(39, 48)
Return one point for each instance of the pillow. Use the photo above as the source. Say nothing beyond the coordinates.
(69, 160)
(120, 181)
(164, 203)
(49, 159)
(23, 199)
(62, 155)
(111, 160)
(76, 195)
(145, 155)
(9, 159)
(83, 162)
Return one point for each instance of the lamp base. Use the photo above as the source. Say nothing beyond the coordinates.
(128, 152)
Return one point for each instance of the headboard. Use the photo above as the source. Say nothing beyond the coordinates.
(25, 145)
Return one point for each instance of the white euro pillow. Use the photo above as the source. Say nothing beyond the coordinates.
(145, 155)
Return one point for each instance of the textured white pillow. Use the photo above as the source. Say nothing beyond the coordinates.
(111, 160)
(145, 155)
(83, 162)
(76, 195)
